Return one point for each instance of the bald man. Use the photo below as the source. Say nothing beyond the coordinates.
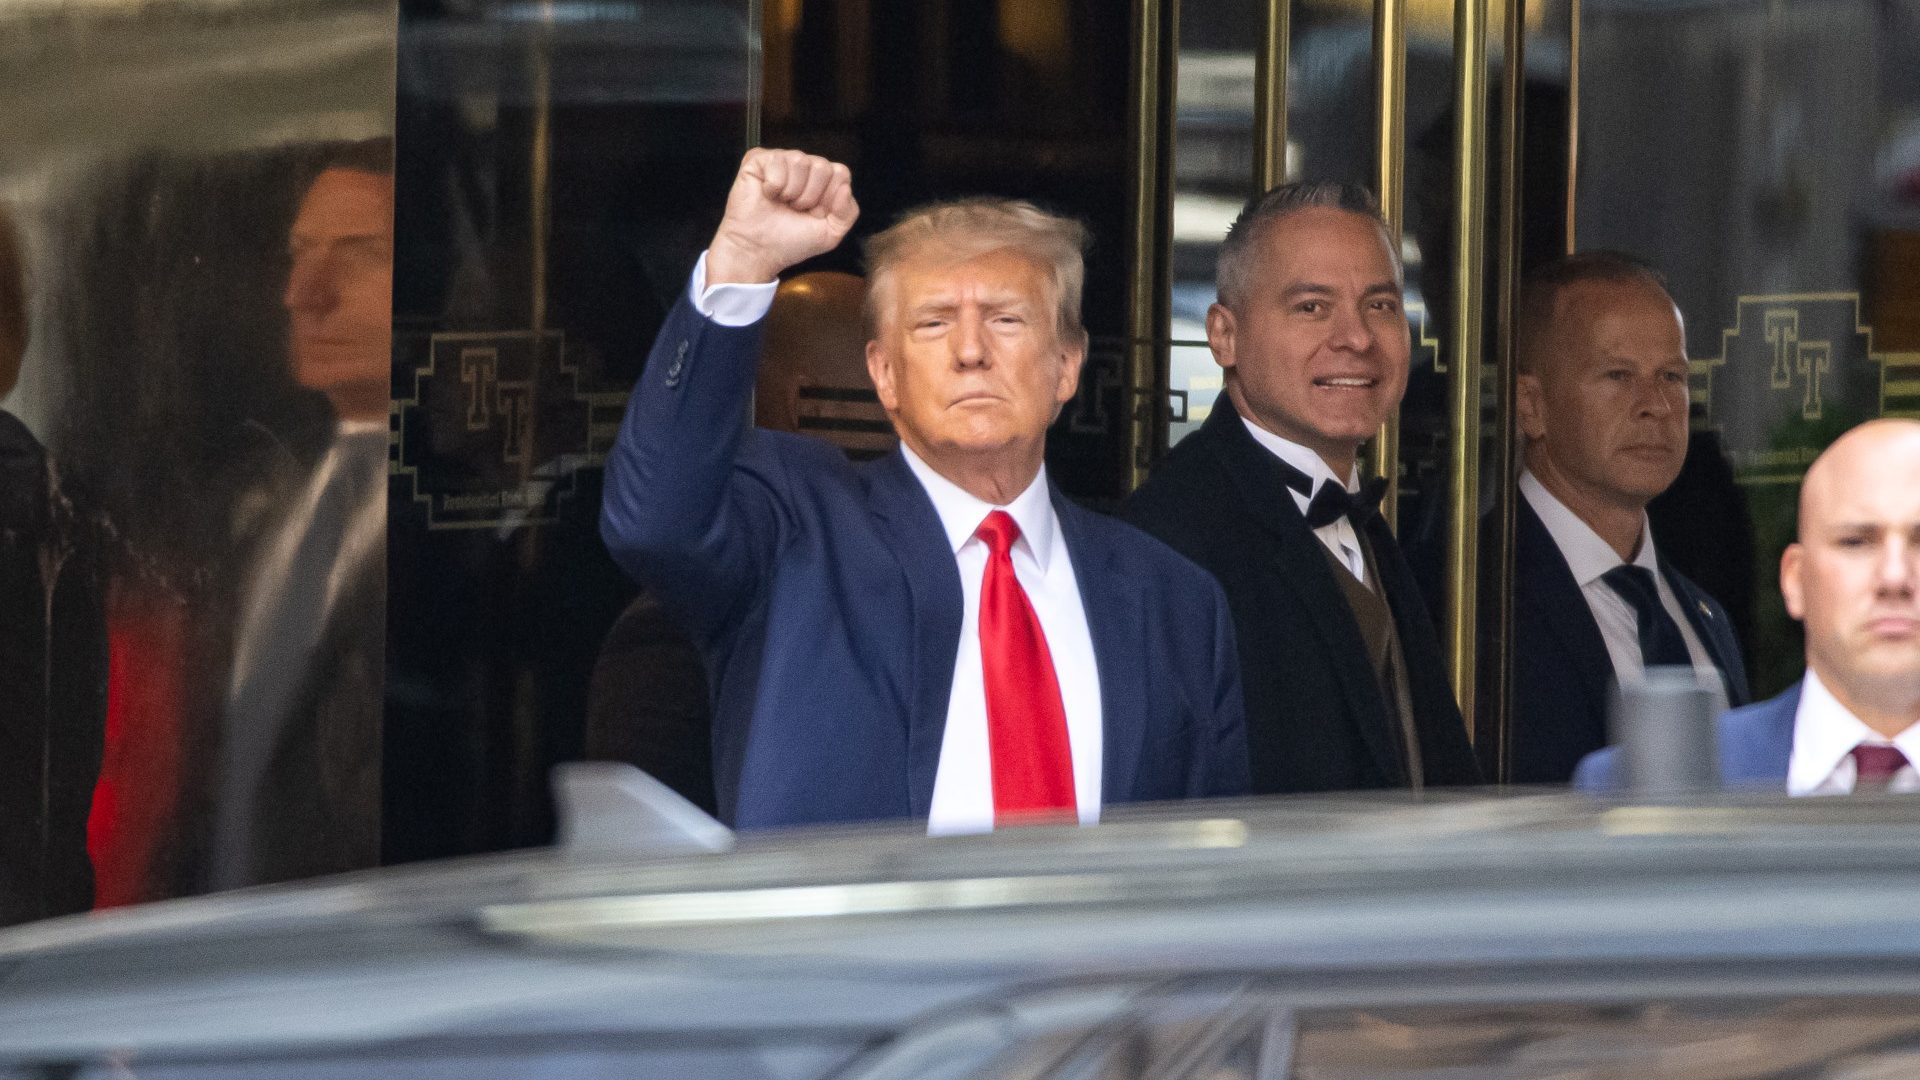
(1603, 407)
(1853, 580)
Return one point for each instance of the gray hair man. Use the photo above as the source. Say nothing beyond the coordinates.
(1344, 680)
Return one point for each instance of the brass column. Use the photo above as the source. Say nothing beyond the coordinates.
(1390, 143)
(1470, 209)
(1150, 286)
(1573, 115)
(1270, 97)
(525, 709)
(1512, 132)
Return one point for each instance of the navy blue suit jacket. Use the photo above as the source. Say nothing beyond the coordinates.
(1562, 674)
(827, 605)
(1756, 743)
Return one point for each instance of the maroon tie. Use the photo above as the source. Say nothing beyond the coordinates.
(1874, 766)
(1026, 720)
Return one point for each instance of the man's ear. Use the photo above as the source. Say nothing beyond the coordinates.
(1220, 334)
(1073, 356)
(880, 370)
(1791, 588)
(1530, 402)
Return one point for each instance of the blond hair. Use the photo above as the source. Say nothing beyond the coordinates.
(969, 228)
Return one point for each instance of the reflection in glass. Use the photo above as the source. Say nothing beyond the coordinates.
(1769, 163)
(157, 204)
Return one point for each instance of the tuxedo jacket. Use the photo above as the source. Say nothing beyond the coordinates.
(827, 606)
(1755, 743)
(53, 686)
(1562, 674)
(1316, 717)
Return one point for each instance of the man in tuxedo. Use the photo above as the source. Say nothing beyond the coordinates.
(298, 792)
(1345, 686)
(1603, 409)
(936, 633)
(53, 653)
(1852, 578)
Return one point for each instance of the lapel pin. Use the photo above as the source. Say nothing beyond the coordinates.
(1705, 611)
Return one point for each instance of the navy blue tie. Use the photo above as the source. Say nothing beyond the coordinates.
(1660, 640)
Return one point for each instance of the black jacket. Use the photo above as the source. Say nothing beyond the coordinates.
(1316, 718)
(53, 686)
(1562, 673)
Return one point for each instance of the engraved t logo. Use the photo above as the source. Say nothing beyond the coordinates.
(1793, 357)
(479, 370)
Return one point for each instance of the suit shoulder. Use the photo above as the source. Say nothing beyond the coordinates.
(1188, 488)
(793, 456)
(1749, 719)
(1138, 551)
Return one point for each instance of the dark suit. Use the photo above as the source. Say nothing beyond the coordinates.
(53, 686)
(1562, 673)
(1316, 717)
(1756, 744)
(300, 754)
(827, 605)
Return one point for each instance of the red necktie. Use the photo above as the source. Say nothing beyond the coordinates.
(1874, 766)
(1026, 719)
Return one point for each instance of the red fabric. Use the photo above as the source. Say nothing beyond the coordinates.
(1875, 765)
(1026, 719)
(134, 802)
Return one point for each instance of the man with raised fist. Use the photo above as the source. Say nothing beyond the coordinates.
(938, 633)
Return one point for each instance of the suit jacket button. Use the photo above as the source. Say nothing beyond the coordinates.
(679, 365)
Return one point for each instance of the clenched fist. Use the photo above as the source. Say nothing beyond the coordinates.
(785, 207)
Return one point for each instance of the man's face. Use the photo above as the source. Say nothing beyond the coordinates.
(1854, 576)
(1605, 409)
(340, 292)
(968, 360)
(1316, 349)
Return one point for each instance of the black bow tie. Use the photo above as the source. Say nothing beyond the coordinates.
(1333, 502)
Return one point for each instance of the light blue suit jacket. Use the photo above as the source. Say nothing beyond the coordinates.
(1755, 744)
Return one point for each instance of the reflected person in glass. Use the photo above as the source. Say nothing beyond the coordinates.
(53, 651)
(299, 791)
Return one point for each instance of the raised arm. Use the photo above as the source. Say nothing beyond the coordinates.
(670, 515)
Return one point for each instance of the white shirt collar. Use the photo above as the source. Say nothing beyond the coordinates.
(1825, 733)
(1301, 458)
(1587, 555)
(961, 512)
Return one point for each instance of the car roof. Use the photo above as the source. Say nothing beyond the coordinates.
(849, 931)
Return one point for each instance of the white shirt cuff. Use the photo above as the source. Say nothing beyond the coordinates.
(729, 305)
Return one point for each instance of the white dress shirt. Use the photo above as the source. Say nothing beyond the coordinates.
(1590, 557)
(1339, 536)
(963, 784)
(730, 305)
(1824, 735)
(963, 781)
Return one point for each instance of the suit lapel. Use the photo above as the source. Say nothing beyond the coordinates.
(919, 546)
(1300, 564)
(1709, 628)
(1114, 621)
(1553, 599)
